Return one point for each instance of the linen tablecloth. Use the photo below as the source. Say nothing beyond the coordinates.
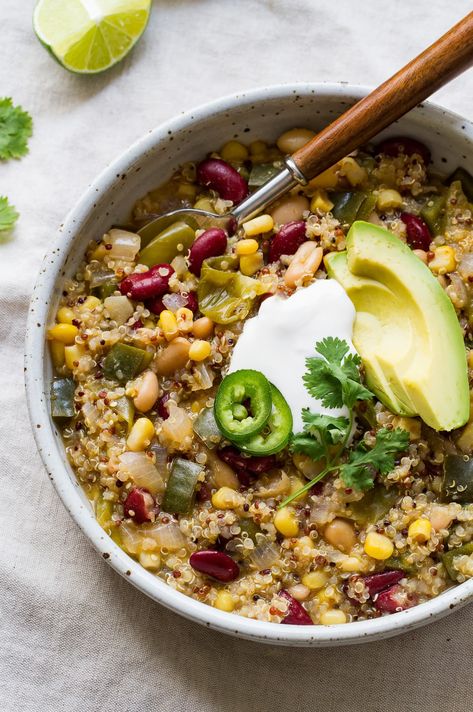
(73, 634)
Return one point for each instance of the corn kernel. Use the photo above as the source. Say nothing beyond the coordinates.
(328, 596)
(351, 564)
(388, 199)
(353, 172)
(168, 323)
(140, 435)
(412, 425)
(304, 542)
(444, 260)
(73, 354)
(327, 179)
(320, 201)
(149, 324)
(246, 247)
(89, 304)
(251, 264)
(65, 315)
(258, 148)
(286, 522)
(184, 319)
(57, 353)
(420, 530)
(199, 350)
(99, 252)
(152, 562)
(65, 333)
(204, 204)
(227, 498)
(333, 617)
(234, 152)
(261, 224)
(224, 601)
(378, 546)
(315, 580)
(187, 190)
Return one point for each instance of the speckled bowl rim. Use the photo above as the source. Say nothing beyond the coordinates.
(317, 636)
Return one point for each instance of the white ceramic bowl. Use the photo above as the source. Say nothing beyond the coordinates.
(261, 113)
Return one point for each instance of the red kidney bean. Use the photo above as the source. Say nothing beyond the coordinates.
(288, 240)
(156, 305)
(402, 144)
(192, 302)
(212, 243)
(204, 493)
(161, 406)
(296, 613)
(152, 283)
(222, 177)
(375, 583)
(140, 506)
(393, 599)
(417, 232)
(236, 459)
(215, 564)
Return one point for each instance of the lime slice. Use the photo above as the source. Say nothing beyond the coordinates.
(89, 36)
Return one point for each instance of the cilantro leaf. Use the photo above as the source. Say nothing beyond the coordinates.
(8, 215)
(335, 378)
(15, 130)
(327, 427)
(332, 349)
(307, 445)
(363, 462)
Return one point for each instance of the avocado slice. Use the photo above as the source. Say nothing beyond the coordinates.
(406, 329)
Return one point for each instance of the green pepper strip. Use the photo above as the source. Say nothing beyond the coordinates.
(449, 556)
(206, 428)
(62, 398)
(123, 362)
(466, 180)
(279, 428)
(174, 240)
(180, 488)
(240, 387)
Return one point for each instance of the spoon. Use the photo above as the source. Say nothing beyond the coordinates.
(438, 64)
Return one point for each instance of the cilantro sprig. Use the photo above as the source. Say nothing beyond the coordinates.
(16, 127)
(8, 215)
(333, 377)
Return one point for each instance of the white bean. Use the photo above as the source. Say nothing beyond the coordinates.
(147, 392)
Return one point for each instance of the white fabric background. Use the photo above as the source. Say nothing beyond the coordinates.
(73, 635)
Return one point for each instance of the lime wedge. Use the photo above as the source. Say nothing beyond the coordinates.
(89, 36)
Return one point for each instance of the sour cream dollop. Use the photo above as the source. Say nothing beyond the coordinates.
(283, 334)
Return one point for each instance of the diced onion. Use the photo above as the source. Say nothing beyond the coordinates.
(98, 274)
(264, 555)
(173, 302)
(161, 455)
(91, 415)
(167, 536)
(204, 377)
(125, 245)
(140, 469)
(465, 268)
(120, 309)
(131, 537)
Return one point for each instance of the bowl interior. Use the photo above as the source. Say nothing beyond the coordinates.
(260, 114)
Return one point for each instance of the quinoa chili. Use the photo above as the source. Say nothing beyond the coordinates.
(144, 335)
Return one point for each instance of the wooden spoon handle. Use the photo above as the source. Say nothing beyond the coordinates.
(438, 64)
